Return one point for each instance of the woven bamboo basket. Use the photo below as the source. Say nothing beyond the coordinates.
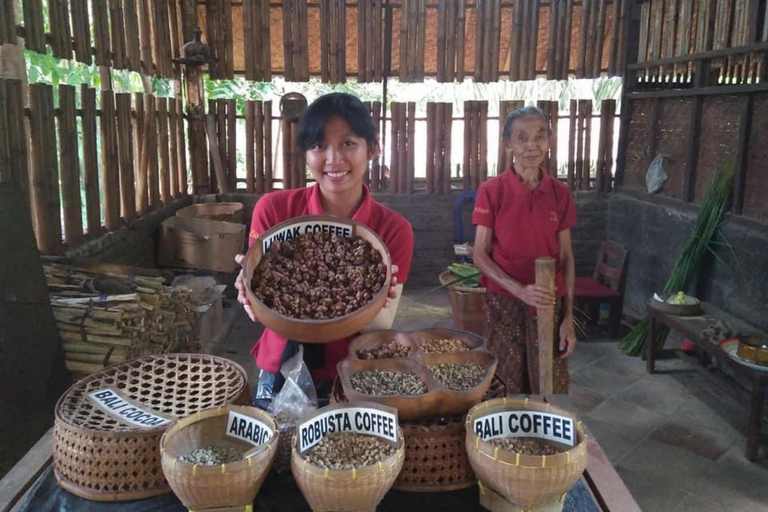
(526, 481)
(226, 485)
(435, 453)
(99, 457)
(223, 212)
(467, 305)
(346, 490)
(317, 331)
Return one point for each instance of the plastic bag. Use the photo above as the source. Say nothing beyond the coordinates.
(655, 177)
(298, 396)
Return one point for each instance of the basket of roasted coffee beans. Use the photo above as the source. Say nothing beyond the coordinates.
(424, 374)
(347, 456)
(219, 457)
(317, 278)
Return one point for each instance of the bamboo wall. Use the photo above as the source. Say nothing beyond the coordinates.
(486, 40)
(92, 160)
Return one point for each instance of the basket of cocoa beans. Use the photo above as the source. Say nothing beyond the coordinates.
(346, 457)
(317, 278)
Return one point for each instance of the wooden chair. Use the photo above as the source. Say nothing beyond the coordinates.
(606, 284)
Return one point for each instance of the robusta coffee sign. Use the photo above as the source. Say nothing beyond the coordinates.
(361, 420)
(542, 425)
(305, 228)
(120, 407)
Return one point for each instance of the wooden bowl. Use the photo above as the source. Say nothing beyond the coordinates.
(452, 402)
(408, 407)
(306, 330)
(472, 341)
(378, 338)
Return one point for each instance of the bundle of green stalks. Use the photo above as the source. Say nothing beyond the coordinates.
(701, 241)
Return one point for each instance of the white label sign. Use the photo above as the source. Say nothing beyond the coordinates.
(542, 425)
(113, 404)
(248, 429)
(361, 420)
(305, 228)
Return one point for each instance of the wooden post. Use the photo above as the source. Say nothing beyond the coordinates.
(125, 155)
(259, 139)
(573, 134)
(218, 166)
(466, 168)
(403, 149)
(232, 144)
(250, 163)
(376, 164)
(70, 165)
(567, 30)
(285, 133)
(165, 164)
(268, 170)
(442, 28)
(474, 163)
(177, 172)
(587, 142)
(545, 323)
(90, 160)
(447, 129)
(460, 36)
(411, 145)
(483, 142)
(432, 131)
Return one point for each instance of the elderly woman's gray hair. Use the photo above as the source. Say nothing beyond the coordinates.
(531, 111)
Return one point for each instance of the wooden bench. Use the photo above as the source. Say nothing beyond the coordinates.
(691, 327)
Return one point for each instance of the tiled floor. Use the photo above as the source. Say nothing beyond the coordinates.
(675, 437)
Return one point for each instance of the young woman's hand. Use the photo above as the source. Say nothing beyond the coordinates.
(567, 337)
(537, 295)
(392, 294)
(242, 298)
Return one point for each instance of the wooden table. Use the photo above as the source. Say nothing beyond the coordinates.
(691, 327)
(31, 487)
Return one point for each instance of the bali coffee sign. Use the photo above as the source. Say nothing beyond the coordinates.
(124, 409)
(542, 425)
(374, 420)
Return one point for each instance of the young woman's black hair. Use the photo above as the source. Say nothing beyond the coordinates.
(523, 112)
(346, 106)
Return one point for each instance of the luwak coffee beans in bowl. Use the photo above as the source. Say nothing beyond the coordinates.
(317, 278)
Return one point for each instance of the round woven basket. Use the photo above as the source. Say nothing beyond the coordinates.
(346, 490)
(435, 453)
(527, 481)
(223, 212)
(99, 457)
(223, 485)
(317, 331)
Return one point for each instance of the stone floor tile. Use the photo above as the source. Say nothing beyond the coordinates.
(658, 393)
(583, 399)
(605, 382)
(678, 468)
(652, 493)
(697, 440)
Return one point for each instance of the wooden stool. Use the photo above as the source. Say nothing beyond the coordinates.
(495, 502)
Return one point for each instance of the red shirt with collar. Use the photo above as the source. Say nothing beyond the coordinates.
(525, 225)
(394, 230)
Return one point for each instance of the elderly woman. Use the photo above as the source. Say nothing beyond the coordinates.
(521, 215)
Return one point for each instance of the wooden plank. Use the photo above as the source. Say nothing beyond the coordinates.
(378, 43)
(229, 40)
(259, 140)
(579, 167)
(495, 41)
(573, 134)
(34, 35)
(287, 8)
(554, 121)
(81, 31)
(142, 156)
(232, 144)
(333, 41)
(25, 473)
(591, 21)
(524, 49)
(8, 23)
(61, 34)
(421, 40)
(116, 31)
(442, 31)
(250, 161)
(411, 146)
(466, 168)
(213, 143)
(132, 38)
(451, 20)
(515, 41)
(487, 35)
(174, 120)
(90, 160)
(479, 40)
(145, 37)
(587, 143)
(370, 54)
(394, 166)
(265, 43)
(285, 132)
(483, 117)
(376, 164)
(70, 165)
(150, 113)
(44, 171)
(212, 110)
(474, 160)
(534, 34)
(110, 162)
(460, 38)
(251, 31)
(608, 157)
(182, 149)
(125, 156)
(601, 147)
(599, 44)
(404, 22)
(645, 31)
(613, 51)
(554, 13)
(403, 149)
(304, 39)
(221, 137)
(432, 132)
(545, 325)
(446, 140)
(342, 38)
(177, 44)
(268, 174)
(363, 20)
(740, 172)
(325, 42)
(165, 161)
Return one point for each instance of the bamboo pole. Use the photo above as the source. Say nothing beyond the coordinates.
(363, 19)
(70, 165)
(488, 15)
(403, 152)
(552, 42)
(259, 139)
(525, 39)
(143, 124)
(213, 143)
(376, 164)
(287, 7)
(442, 22)
(370, 47)
(265, 41)
(545, 324)
(268, 169)
(421, 40)
(304, 39)
(117, 24)
(125, 156)
(162, 129)
(466, 167)
(579, 168)
(232, 144)
(479, 21)
(515, 42)
(567, 36)
(447, 130)
(432, 133)
(554, 119)
(250, 162)
(599, 39)
(109, 161)
(411, 145)
(495, 41)
(534, 34)
(601, 141)
(285, 133)
(44, 175)
(182, 150)
(613, 53)
(325, 43)
(61, 33)
(483, 118)
(295, 170)
(174, 120)
(474, 161)
(6, 170)
(81, 31)
(90, 160)
(587, 143)
(581, 65)
(252, 56)
(378, 43)
(394, 166)
(573, 134)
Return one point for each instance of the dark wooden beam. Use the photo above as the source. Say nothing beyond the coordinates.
(703, 91)
(714, 54)
(632, 29)
(740, 172)
(694, 134)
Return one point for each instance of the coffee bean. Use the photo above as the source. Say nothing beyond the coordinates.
(378, 382)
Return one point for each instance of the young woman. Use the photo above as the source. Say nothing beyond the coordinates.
(338, 138)
(521, 215)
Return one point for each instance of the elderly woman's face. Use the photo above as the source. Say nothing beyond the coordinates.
(529, 142)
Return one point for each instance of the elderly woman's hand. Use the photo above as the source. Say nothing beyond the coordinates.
(537, 295)
(567, 337)
(242, 298)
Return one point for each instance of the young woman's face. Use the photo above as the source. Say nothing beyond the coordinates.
(529, 142)
(339, 162)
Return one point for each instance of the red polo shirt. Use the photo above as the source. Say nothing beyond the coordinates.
(394, 230)
(525, 225)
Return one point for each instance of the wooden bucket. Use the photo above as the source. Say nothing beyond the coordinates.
(525, 481)
(346, 490)
(224, 212)
(467, 305)
(226, 485)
